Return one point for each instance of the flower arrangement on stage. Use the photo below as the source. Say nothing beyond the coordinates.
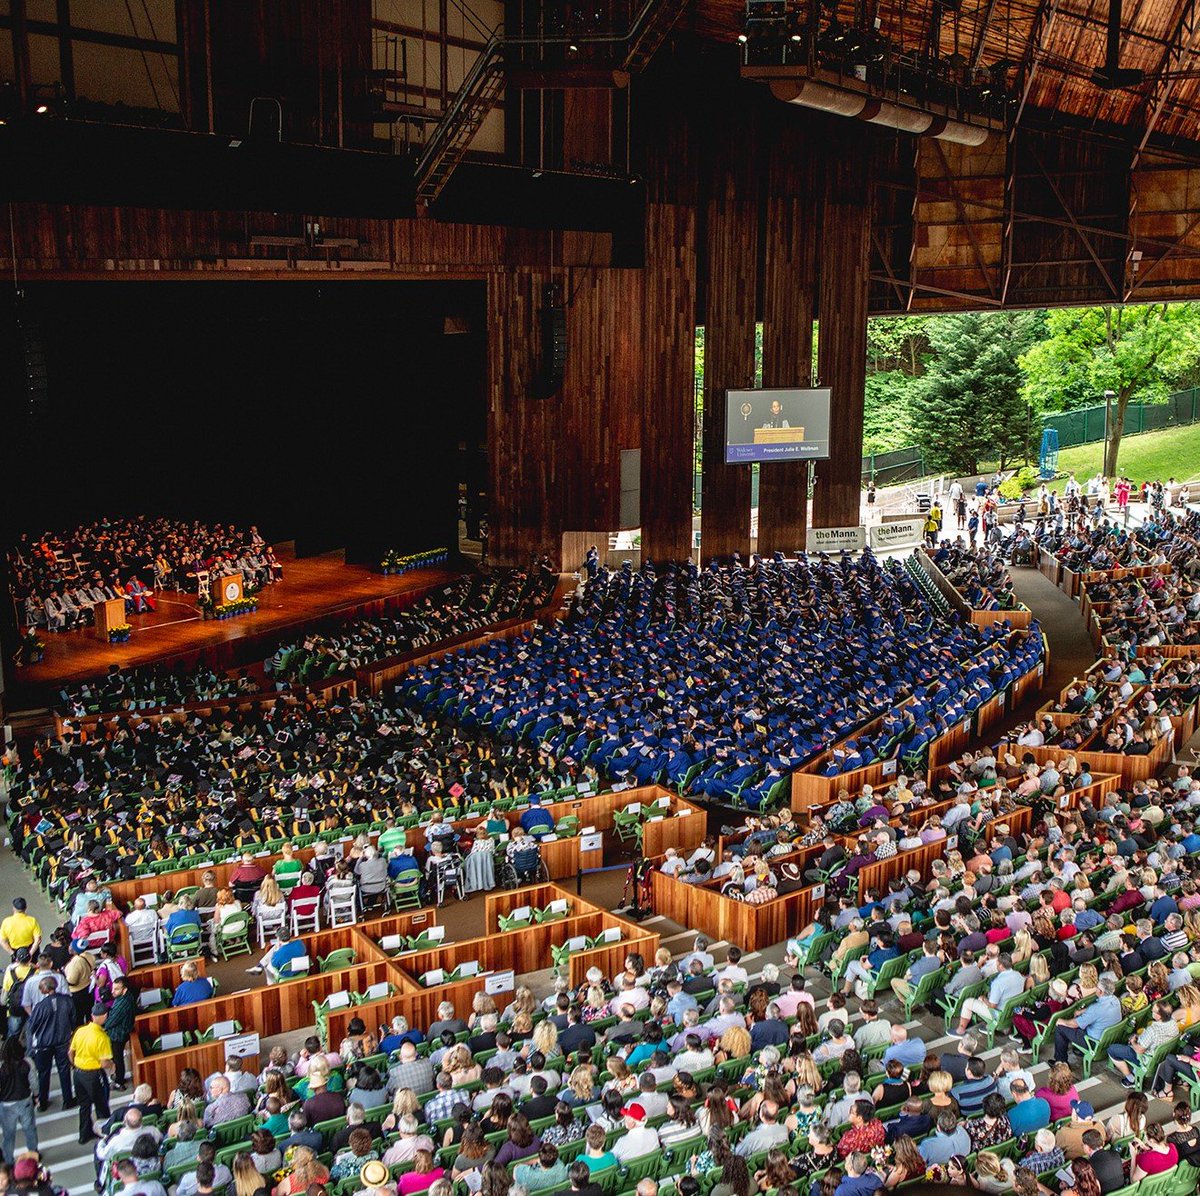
(120, 633)
(397, 562)
(239, 606)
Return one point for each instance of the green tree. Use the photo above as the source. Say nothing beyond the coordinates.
(1138, 351)
(897, 352)
(969, 406)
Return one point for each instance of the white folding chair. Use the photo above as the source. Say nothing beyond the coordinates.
(202, 585)
(306, 915)
(269, 925)
(143, 946)
(342, 908)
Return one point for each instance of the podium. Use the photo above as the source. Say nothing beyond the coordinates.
(227, 588)
(109, 614)
(778, 435)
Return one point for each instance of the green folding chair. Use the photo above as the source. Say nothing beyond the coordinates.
(343, 957)
(183, 943)
(233, 935)
(406, 890)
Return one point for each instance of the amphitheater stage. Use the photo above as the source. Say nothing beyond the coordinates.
(315, 592)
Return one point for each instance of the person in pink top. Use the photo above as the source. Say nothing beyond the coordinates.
(1152, 1154)
(422, 1176)
(1059, 1091)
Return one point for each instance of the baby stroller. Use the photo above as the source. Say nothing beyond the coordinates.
(526, 867)
(444, 875)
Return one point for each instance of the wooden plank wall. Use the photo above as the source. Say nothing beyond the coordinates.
(667, 429)
(789, 303)
(731, 241)
(842, 352)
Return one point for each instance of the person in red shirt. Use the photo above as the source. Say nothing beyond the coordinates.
(245, 878)
(866, 1130)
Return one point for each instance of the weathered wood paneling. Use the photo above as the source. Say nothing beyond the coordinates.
(731, 241)
(668, 416)
(789, 296)
(842, 351)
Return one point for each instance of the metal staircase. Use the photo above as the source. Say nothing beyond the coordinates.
(649, 32)
(482, 88)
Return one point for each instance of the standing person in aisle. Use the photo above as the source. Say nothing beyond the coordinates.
(51, 1026)
(92, 1060)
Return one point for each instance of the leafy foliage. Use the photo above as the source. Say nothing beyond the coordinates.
(969, 407)
(1136, 351)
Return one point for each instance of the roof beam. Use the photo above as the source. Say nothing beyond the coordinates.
(1180, 49)
(1039, 29)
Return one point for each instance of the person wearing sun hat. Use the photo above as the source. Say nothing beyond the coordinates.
(377, 1178)
(639, 1138)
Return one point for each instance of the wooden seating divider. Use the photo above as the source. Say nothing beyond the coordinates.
(989, 714)
(562, 856)
(419, 1004)
(950, 743)
(265, 700)
(1049, 565)
(376, 677)
(1128, 768)
(1020, 617)
(281, 1007)
(126, 891)
(701, 907)
(161, 1071)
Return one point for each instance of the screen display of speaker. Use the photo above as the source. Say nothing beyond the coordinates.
(776, 425)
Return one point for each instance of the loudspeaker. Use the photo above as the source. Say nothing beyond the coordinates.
(34, 355)
(553, 363)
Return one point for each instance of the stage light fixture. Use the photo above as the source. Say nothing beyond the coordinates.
(742, 39)
(42, 109)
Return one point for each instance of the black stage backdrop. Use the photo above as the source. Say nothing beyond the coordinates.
(331, 413)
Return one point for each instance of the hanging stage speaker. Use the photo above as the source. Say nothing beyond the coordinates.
(554, 343)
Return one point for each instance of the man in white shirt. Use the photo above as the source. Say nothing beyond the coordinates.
(673, 864)
(733, 969)
(239, 1080)
(122, 1140)
(638, 1139)
(699, 951)
(1008, 1070)
(142, 922)
(629, 993)
(727, 1017)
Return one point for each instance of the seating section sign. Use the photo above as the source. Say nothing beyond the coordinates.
(904, 533)
(835, 539)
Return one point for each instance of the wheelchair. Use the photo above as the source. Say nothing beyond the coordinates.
(525, 868)
(445, 879)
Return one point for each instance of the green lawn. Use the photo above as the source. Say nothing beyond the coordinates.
(1173, 452)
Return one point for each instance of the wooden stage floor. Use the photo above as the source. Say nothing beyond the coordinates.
(313, 588)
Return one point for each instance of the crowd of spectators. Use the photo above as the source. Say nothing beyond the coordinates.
(152, 686)
(1079, 936)
(978, 574)
(467, 605)
(725, 679)
(129, 792)
(1118, 706)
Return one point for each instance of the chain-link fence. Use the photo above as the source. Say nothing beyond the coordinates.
(1086, 425)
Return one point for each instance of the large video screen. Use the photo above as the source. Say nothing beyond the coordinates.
(776, 425)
